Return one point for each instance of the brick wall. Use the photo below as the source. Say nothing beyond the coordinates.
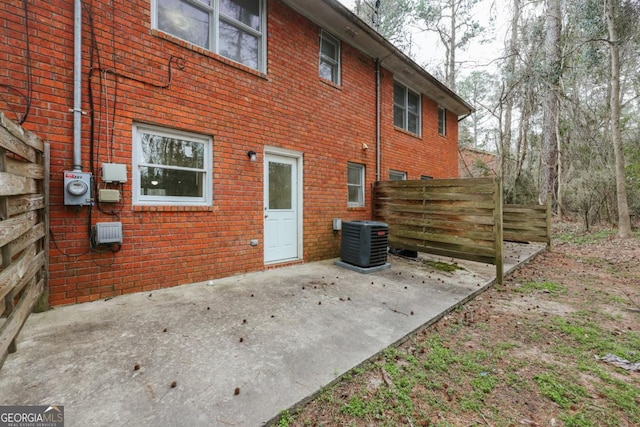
(288, 107)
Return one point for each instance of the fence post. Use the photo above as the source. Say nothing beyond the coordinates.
(42, 304)
(497, 224)
(6, 249)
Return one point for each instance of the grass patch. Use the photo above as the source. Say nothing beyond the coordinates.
(586, 238)
(551, 288)
(560, 389)
(442, 266)
(286, 419)
(588, 337)
(488, 370)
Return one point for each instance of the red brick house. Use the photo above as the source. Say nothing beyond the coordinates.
(195, 139)
(474, 163)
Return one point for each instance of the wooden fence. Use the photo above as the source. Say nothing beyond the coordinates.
(24, 183)
(460, 218)
(527, 223)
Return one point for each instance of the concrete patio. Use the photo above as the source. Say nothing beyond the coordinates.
(234, 351)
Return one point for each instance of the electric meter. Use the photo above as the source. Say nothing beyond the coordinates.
(77, 188)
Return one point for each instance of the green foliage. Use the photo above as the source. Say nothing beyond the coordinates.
(286, 419)
(443, 266)
(586, 238)
(560, 389)
(592, 194)
(578, 419)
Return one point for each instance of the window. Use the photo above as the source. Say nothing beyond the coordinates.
(442, 121)
(329, 57)
(171, 167)
(426, 177)
(355, 184)
(397, 176)
(231, 28)
(406, 109)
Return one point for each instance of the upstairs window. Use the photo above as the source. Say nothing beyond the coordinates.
(329, 58)
(442, 121)
(406, 109)
(355, 184)
(231, 28)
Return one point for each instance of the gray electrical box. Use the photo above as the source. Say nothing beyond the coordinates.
(114, 172)
(77, 188)
(108, 232)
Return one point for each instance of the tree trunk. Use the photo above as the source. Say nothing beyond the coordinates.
(549, 173)
(452, 51)
(511, 71)
(624, 221)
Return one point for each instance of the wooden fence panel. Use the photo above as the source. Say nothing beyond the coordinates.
(527, 223)
(460, 218)
(24, 166)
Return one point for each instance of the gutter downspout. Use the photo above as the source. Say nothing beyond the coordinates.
(77, 86)
(378, 112)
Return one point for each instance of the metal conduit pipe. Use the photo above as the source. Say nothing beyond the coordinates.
(77, 86)
(378, 137)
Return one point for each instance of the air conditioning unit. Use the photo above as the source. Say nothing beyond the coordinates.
(364, 243)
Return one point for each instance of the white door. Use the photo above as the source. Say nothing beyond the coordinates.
(281, 226)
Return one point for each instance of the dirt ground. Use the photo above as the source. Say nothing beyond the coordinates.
(524, 353)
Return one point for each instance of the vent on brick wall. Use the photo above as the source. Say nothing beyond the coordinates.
(364, 243)
(108, 232)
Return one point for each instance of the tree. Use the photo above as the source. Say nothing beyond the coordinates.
(453, 22)
(549, 172)
(611, 10)
(391, 18)
(477, 89)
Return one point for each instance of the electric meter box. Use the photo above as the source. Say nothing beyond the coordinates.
(77, 188)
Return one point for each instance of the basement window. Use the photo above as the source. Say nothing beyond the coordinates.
(397, 176)
(171, 167)
(231, 28)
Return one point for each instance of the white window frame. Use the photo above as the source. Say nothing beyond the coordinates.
(399, 176)
(404, 108)
(360, 185)
(138, 162)
(334, 63)
(213, 10)
(442, 121)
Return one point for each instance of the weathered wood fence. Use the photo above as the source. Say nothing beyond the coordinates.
(527, 223)
(24, 173)
(460, 218)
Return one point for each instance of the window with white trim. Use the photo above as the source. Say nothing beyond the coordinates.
(406, 109)
(234, 29)
(397, 176)
(442, 121)
(329, 57)
(355, 184)
(171, 167)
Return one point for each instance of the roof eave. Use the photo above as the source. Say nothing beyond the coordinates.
(334, 17)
